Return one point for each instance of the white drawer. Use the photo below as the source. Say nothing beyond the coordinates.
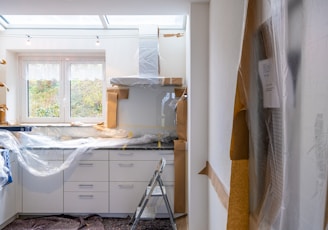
(130, 155)
(94, 155)
(86, 202)
(138, 170)
(85, 186)
(125, 196)
(48, 154)
(87, 171)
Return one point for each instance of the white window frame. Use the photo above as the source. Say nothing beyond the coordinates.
(64, 93)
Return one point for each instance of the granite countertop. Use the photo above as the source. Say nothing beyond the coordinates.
(147, 146)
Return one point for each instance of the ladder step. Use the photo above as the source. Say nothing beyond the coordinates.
(148, 213)
(157, 190)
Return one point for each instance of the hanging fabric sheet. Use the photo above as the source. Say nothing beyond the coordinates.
(5, 172)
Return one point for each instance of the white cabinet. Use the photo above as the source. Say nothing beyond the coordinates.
(101, 181)
(86, 183)
(43, 194)
(130, 172)
(8, 195)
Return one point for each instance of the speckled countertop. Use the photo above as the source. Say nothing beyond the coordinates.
(148, 146)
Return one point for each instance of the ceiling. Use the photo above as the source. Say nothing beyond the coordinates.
(95, 7)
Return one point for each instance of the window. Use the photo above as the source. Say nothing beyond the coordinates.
(62, 89)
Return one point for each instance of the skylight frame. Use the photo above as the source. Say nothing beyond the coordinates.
(51, 21)
(91, 21)
(134, 21)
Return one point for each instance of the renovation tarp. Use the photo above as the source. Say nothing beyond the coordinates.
(22, 145)
(287, 115)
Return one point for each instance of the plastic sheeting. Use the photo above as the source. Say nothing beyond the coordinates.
(5, 171)
(22, 146)
(288, 141)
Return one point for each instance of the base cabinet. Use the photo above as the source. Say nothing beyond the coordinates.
(130, 173)
(43, 194)
(86, 184)
(102, 182)
(125, 196)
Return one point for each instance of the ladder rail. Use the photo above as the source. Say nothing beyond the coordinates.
(156, 179)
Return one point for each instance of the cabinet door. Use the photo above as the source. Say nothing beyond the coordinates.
(125, 196)
(8, 197)
(43, 194)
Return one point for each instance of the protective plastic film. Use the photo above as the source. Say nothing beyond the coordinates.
(23, 145)
(286, 115)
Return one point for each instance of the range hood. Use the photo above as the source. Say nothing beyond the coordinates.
(148, 62)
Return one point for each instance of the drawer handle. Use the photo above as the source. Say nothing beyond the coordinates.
(86, 196)
(126, 164)
(169, 185)
(126, 186)
(85, 185)
(125, 153)
(165, 153)
(86, 164)
(169, 163)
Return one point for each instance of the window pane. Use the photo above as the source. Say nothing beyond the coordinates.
(86, 90)
(43, 90)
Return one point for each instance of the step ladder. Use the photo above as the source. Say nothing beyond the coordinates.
(155, 188)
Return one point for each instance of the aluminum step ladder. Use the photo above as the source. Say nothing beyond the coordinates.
(155, 188)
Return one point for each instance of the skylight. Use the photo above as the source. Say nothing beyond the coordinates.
(90, 21)
(163, 21)
(51, 21)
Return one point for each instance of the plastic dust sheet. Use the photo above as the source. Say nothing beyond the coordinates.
(286, 116)
(148, 62)
(22, 145)
(5, 172)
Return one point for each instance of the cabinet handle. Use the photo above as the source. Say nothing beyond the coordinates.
(86, 164)
(125, 153)
(165, 153)
(169, 163)
(85, 185)
(169, 185)
(126, 164)
(126, 186)
(86, 196)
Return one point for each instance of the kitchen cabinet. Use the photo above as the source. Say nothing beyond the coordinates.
(102, 181)
(86, 183)
(8, 195)
(43, 194)
(130, 172)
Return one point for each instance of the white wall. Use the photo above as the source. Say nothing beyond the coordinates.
(313, 117)
(120, 48)
(197, 116)
(226, 30)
